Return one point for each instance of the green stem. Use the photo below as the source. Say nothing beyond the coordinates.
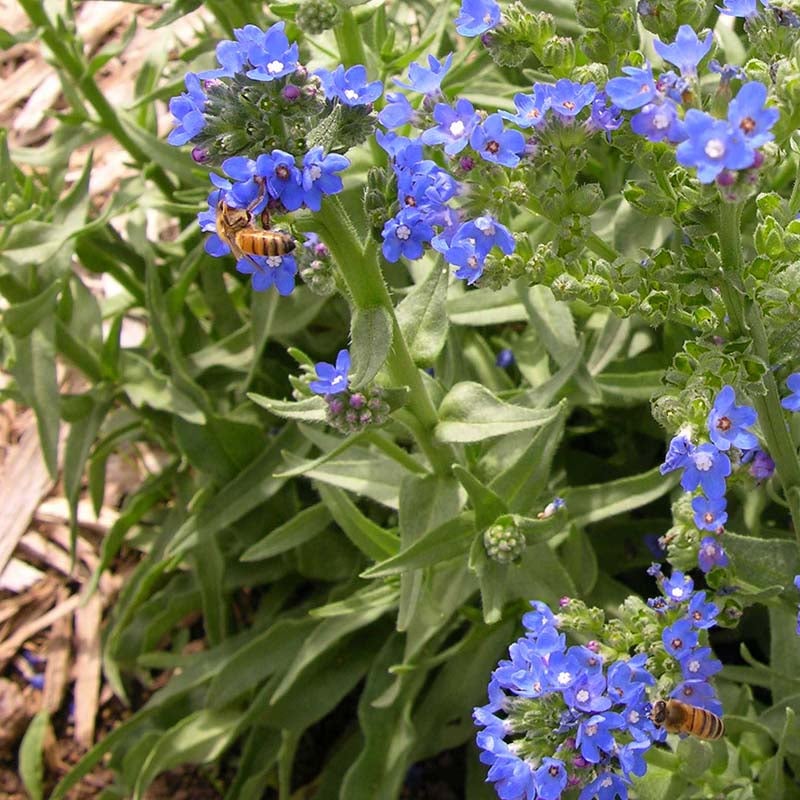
(601, 248)
(794, 200)
(746, 319)
(348, 37)
(359, 266)
(77, 70)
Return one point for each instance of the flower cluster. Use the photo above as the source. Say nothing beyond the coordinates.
(563, 717)
(348, 411)
(717, 148)
(706, 467)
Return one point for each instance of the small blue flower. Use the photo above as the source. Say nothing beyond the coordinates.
(332, 379)
(711, 554)
(631, 756)
(605, 115)
(550, 779)
(404, 152)
(698, 693)
(702, 614)
(505, 358)
(707, 468)
(626, 679)
(493, 143)
(232, 56)
(268, 271)
(272, 56)
(350, 87)
(477, 17)
(762, 467)
(709, 515)
(455, 126)
(594, 735)
(427, 80)
(485, 232)
(699, 664)
(588, 694)
(659, 122)
(712, 146)
(568, 98)
(686, 52)
(739, 8)
(531, 108)
(678, 587)
(428, 187)
(792, 402)
(679, 638)
(606, 786)
(397, 111)
(318, 176)
(247, 192)
(405, 235)
(727, 422)
(187, 108)
(634, 91)
(748, 114)
(282, 177)
(678, 454)
(540, 618)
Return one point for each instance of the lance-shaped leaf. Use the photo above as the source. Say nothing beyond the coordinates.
(422, 316)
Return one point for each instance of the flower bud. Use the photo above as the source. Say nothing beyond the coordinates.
(504, 541)
(316, 16)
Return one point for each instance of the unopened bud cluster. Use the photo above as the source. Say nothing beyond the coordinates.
(352, 411)
(504, 541)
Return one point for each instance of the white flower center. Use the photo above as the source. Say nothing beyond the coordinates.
(633, 717)
(677, 592)
(564, 678)
(660, 121)
(457, 128)
(472, 262)
(351, 94)
(274, 261)
(315, 172)
(703, 461)
(694, 666)
(591, 730)
(274, 67)
(715, 148)
(583, 696)
(403, 232)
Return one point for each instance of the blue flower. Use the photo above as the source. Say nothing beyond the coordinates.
(626, 679)
(678, 453)
(350, 87)
(605, 115)
(428, 186)
(427, 80)
(404, 152)
(711, 554)
(207, 220)
(606, 786)
(485, 232)
(568, 98)
(272, 56)
(397, 111)
(282, 177)
(702, 614)
(631, 756)
(709, 515)
(493, 143)
(232, 56)
(267, 271)
(746, 113)
(686, 52)
(739, 8)
(678, 587)
(531, 108)
(540, 618)
(588, 694)
(318, 176)
(699, 664)
(698, 693)
(792, 402)
(477, 17)
(405, 235)
(550, 779)
(679, 638)
(332, 379)
(634, 91)
(727, 422)
(187, 108)
(455, 126)
(595, 737)
(712, 146)
(247, 192)
(505, 358)
(707, 468)
(659, 122)
(762, 466)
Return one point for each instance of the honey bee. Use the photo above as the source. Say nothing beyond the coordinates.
(235, 227)
(677, 717)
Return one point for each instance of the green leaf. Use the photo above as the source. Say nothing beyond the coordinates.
(486, 504)
(301, 528)
(784, 650)
(248, 490)
(471, 413)
(487, 307)
(34, 370)
(198, 738)
(372, 540)
(552, 320)
(371, 334)
(21, 318)
(31, 755)
(341, 447)
(776, 719)
(587, 504)
(763, 562)
(772, 780)
(580, 560)
(422, 316)
(312, 409)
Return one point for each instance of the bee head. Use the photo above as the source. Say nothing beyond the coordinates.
(659, 712)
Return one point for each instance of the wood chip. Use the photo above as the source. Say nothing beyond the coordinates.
(19, 576)
(87, 669)
(56, 671)
(37, 546)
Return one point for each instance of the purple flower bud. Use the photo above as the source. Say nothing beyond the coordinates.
(466, 163)
(200, 155)
(290, 92)
(357, 400)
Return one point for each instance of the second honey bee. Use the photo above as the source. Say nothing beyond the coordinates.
(677, 717)
(235, 227)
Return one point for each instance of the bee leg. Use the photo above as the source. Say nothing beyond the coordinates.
(262, 189)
